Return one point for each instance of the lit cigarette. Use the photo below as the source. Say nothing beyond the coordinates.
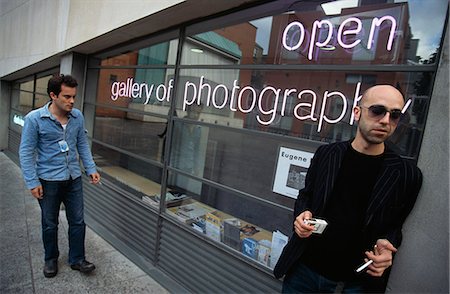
(364, 266)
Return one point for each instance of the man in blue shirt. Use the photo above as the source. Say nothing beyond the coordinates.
(53, 141)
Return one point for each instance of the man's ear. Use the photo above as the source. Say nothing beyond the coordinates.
(357, 112)
(53, 96)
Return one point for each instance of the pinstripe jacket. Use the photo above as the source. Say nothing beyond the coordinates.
(392, 198)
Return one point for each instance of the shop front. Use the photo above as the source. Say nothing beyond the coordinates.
(204, 133)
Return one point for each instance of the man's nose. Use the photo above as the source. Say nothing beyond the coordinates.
(386, 118)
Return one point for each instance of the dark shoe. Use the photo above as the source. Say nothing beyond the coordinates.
(83, 266)
(51, 268)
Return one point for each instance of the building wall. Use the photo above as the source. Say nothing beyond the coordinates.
(43, 28)
(4, 113)
(426, 233)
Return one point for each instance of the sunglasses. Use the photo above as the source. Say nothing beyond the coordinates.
(379, 111)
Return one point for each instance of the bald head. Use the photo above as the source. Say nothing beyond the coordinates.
(383, 93)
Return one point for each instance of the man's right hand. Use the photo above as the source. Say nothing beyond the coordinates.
(302, 229)
(37, 192)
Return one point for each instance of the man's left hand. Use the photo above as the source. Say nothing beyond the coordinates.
(381, 256)
(95, 178)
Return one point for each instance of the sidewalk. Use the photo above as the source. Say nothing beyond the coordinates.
(22, 255)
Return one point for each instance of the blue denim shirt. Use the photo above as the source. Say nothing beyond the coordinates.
(40, 153)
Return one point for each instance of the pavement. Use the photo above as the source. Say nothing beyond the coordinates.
(22, 253)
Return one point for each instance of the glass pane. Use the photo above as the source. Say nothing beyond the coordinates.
(241, 223)
(140, 89)
(311, 105)
(328, 32)
(159, 54)
(15, 97)
(138, 177)
(233, 159)
(27, 86)
(41, 84)
(189, 143)
(137, 133)
(40, 100)
(25, 101)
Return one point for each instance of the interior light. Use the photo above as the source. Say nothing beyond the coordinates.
(335, 7)
(196, 50)
(328, 47)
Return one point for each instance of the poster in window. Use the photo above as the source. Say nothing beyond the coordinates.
(291, 171)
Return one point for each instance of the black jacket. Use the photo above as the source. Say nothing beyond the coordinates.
(392, 199)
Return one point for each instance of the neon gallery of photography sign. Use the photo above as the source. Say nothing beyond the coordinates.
(247, 99)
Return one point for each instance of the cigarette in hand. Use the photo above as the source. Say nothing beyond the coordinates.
(359, 269)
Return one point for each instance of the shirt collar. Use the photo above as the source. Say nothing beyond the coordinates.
(45, 112)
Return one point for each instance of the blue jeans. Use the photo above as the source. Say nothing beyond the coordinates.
(69, 192)
(304, 280)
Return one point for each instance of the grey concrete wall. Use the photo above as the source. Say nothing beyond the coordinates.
(75, 64)
(37, 36)
(5, 94)
(422, 263)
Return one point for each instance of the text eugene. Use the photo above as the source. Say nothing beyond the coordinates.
(295, 157)
(247, 99)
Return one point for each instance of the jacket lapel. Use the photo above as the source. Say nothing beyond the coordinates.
(333, 164)
(387, 179)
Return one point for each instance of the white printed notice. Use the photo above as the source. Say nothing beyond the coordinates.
(291, 171)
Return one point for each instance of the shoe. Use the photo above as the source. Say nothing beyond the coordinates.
(83, 266)
(51, 268)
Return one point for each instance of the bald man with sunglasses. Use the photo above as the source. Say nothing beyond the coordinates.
(364, 191)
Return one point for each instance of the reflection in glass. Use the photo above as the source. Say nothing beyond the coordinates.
(133, 132)
(25, 101)
(231, 158)
(158, 54)
(189, 143)
(138, 177)
(27, 86)
(349, 33)
(314, 105)
(23, 94)
(40, 100)
(41, 85)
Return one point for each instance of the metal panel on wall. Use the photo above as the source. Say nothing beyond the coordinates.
(13, 145)
(121, 220)
(203, 268)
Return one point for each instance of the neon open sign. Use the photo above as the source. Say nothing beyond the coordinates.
(294, 34)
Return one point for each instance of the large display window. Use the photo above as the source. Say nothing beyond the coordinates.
(131, 109)
(41, 96)
(221, 138)
(218, 86)
(22, 96)
(28, 94)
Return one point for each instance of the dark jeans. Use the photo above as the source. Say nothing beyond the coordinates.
(69, 192)
(304, 280)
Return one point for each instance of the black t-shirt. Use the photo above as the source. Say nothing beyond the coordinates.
(337, 252)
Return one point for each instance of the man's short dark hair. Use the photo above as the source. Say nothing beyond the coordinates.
(54, 84)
